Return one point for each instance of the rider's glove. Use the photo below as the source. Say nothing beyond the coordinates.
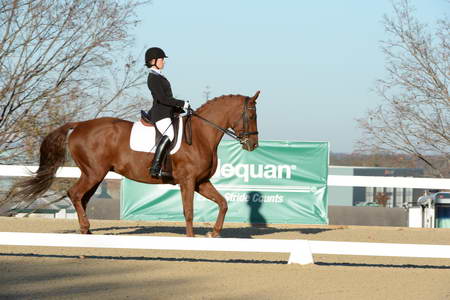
(186, 105)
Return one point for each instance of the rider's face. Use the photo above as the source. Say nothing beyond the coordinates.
(160, 63)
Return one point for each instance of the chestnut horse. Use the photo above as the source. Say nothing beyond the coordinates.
(101, 145)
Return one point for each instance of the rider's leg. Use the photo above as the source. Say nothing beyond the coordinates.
(160, 154)
(165, 127)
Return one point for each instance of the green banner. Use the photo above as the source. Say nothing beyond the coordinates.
(279, 182)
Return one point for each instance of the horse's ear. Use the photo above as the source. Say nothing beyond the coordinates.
(255, 96)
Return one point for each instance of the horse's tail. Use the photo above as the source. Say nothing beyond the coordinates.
(52, 156)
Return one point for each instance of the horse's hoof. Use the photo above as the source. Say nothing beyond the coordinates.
(213, 235)
(85, 231)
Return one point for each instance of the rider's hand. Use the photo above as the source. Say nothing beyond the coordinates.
(187, 105)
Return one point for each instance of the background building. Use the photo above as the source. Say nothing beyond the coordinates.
(374, 196)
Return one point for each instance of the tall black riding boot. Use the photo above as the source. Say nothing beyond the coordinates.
(160, 155)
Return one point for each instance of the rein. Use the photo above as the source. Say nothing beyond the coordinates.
(242, 138)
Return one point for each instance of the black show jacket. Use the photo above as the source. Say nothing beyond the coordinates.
(164, 104)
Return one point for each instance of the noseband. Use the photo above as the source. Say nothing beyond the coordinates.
(243, 137)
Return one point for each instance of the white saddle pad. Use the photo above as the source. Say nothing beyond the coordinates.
(143, 138)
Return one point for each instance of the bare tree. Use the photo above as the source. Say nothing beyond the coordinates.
(415, 115)
(382, 198)
(59, 61)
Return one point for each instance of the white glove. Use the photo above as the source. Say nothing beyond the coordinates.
(186, 105)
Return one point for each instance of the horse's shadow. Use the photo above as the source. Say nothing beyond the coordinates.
(244, 232)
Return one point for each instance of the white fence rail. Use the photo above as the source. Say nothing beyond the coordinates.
(19, 171)
(301, 251)
(389, 182)
(333, 180)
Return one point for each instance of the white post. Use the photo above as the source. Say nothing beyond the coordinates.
(62, 214)
(301, 253)
(429, 217)
(415, 217)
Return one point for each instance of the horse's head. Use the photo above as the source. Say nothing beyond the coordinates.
(246, 127)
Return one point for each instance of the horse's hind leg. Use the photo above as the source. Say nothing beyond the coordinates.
(207, 190)
(79, 194)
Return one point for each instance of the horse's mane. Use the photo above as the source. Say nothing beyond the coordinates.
(214, 100)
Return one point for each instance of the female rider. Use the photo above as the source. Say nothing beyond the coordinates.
(164, 107)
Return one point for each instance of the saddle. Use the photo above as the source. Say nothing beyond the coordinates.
(146, 121)
(145, 137)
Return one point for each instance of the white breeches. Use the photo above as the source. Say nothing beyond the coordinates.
(165, 127)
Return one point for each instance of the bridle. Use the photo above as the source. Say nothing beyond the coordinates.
(243, 137)
(245, 133)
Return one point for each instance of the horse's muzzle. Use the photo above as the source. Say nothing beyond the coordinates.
(249, 146)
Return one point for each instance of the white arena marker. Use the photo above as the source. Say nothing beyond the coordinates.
(301, 253)
(380, 249)
(300, 250)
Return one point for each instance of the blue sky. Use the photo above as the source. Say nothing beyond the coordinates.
(315, 62)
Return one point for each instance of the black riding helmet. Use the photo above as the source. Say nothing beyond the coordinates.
(153, 53)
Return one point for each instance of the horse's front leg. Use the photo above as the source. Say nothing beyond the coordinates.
(207, 190)
(187, 195)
